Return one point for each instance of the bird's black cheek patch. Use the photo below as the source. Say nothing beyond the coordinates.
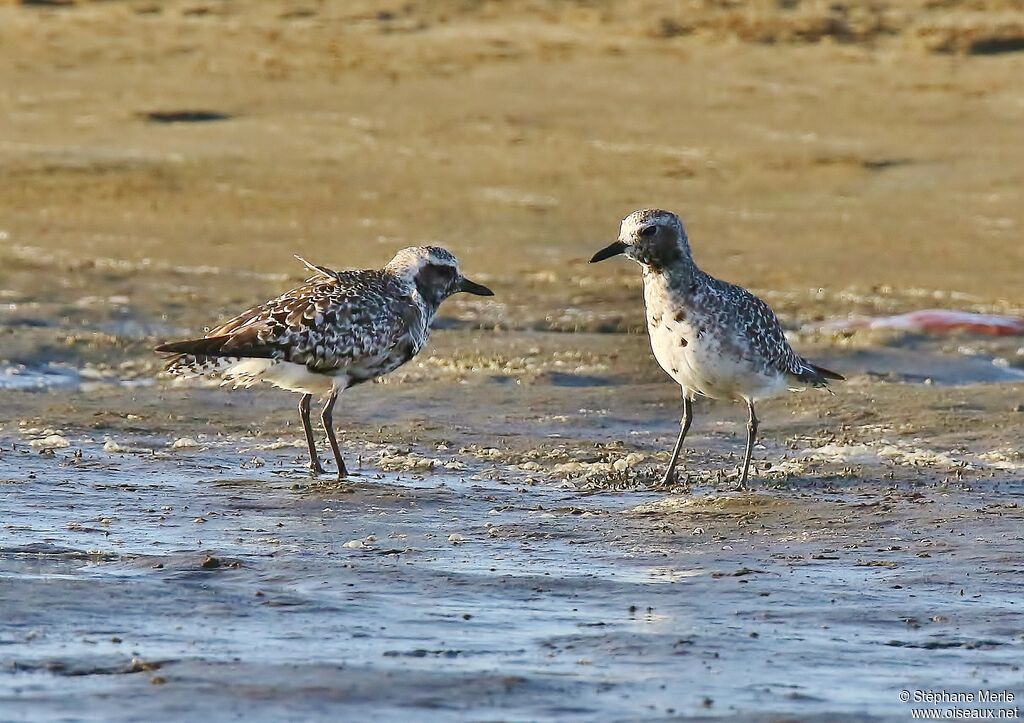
(658, 252)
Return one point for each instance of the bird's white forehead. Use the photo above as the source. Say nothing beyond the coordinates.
(411, 260)
(645, 217)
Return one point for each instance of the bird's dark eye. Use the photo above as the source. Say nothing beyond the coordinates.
(648, 231)
(438, 274)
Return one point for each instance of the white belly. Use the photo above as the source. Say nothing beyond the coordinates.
(701, 366)
(284, 375)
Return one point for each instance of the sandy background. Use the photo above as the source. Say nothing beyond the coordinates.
(851, 143)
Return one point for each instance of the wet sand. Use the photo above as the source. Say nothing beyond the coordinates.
(162, 555)
(177, 580)
(501, 566)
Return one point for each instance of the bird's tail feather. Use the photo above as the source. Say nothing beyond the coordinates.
(826, 373)
(188, 366)
(236, 344)
(207, 346)
(815, 375)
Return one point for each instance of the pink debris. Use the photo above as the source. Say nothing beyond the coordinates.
(940, 321)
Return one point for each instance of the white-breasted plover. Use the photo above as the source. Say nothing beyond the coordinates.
(715, 339)
(339, 329)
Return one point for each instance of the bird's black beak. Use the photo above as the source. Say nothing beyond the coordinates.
(608, 251)
(471, 287)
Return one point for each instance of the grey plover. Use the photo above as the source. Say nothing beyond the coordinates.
(715, 339)
(337, 330)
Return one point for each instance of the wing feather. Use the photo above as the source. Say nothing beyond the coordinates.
(766, 345)
(354, 321)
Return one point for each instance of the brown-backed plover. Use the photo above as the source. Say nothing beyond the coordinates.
(715, 339)
(339, 329)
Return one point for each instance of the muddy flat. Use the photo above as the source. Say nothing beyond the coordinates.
(503, 550)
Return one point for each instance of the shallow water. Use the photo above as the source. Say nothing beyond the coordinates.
(508, 559)
(262, 596)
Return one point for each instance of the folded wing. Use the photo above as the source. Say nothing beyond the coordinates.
(352, 322)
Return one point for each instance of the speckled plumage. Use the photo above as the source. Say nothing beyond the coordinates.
(348, 328)
(336, 330)
(715, 339)
(730, 343)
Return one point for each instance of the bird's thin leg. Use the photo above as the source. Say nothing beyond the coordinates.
(684, 425)
(751, 436)
(315, 467)
(327, 417)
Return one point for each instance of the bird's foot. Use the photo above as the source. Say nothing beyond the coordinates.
(727, 475)
(671, 480)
